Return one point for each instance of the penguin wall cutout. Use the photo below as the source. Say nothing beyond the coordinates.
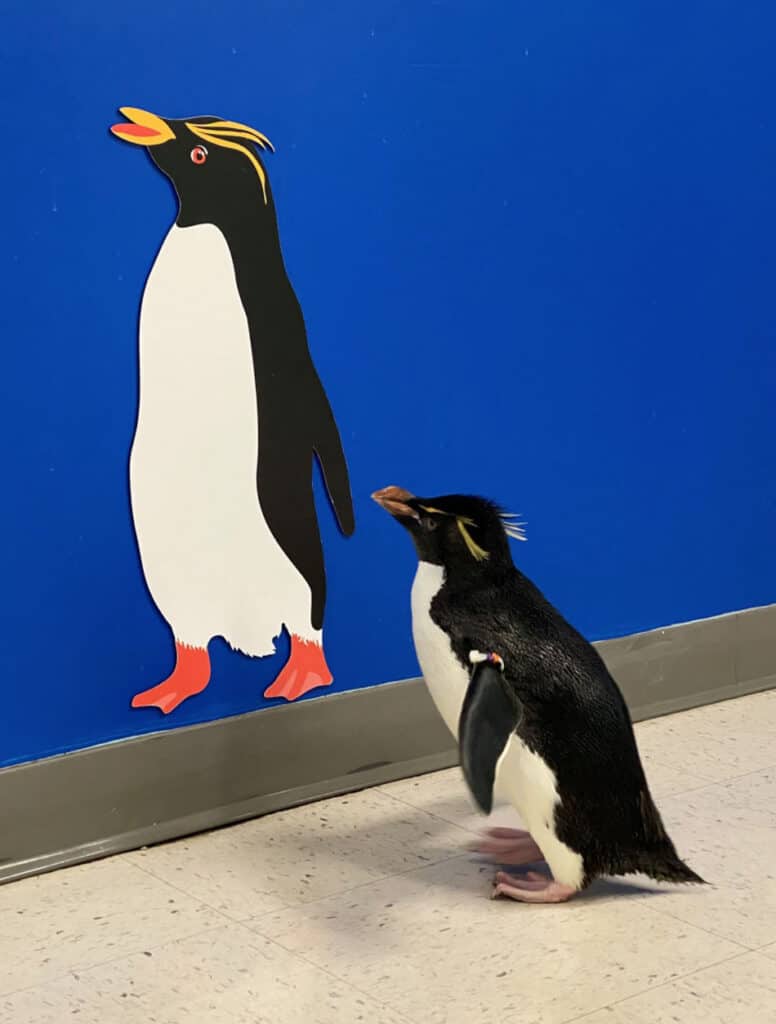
(231, 410)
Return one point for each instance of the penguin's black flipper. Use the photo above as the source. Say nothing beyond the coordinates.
(331, 458)
(489, 716)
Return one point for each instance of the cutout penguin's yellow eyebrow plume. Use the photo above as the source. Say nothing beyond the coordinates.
(223, 133)
(243, 131)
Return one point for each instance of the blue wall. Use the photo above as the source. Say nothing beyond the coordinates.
(534, 243)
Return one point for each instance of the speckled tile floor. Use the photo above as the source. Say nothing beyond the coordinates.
(369, 908)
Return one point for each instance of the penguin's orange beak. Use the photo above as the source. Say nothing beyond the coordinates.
(142, 128)
(394, 500)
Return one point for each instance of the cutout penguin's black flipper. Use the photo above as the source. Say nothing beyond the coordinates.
(331, 458)
(489, 716)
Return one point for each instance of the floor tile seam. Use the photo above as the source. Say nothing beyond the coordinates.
(227, 919)
(339, 894)
(646, 904)
(655, 988)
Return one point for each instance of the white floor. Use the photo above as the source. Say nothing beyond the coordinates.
(369, 908)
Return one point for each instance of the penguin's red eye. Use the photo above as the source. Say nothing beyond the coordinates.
(198, 155)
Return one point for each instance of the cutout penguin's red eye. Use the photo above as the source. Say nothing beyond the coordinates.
(198, 155)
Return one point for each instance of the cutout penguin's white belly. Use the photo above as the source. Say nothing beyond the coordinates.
(523, 778)
(211, 563)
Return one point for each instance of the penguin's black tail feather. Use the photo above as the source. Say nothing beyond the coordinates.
(667, 866)
(659, 859)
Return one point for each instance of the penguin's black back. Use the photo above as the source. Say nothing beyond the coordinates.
(574, 717)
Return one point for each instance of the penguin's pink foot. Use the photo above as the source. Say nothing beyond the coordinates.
(189, 677)
(531, 888)
(305, 670)
(508, 846)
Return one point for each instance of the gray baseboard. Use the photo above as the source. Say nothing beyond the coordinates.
(120, 796)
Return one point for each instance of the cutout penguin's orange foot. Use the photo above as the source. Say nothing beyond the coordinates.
(189, 677)
(305, 670)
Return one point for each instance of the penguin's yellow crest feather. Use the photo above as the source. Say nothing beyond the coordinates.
(480, 554)
(463, 523)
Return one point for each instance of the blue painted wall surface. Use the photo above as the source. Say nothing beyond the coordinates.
(534, 244)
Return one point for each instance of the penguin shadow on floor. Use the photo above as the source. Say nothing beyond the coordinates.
(400, 840)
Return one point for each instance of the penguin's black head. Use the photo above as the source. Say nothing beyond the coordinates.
(213, 164)
(458, 531)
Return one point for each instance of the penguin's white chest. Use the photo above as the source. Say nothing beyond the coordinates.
(211, 563)
(445, 677)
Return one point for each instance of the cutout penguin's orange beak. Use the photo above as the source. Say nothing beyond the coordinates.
(142, 128)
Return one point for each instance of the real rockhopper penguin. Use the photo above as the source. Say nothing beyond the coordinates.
(536, 712)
